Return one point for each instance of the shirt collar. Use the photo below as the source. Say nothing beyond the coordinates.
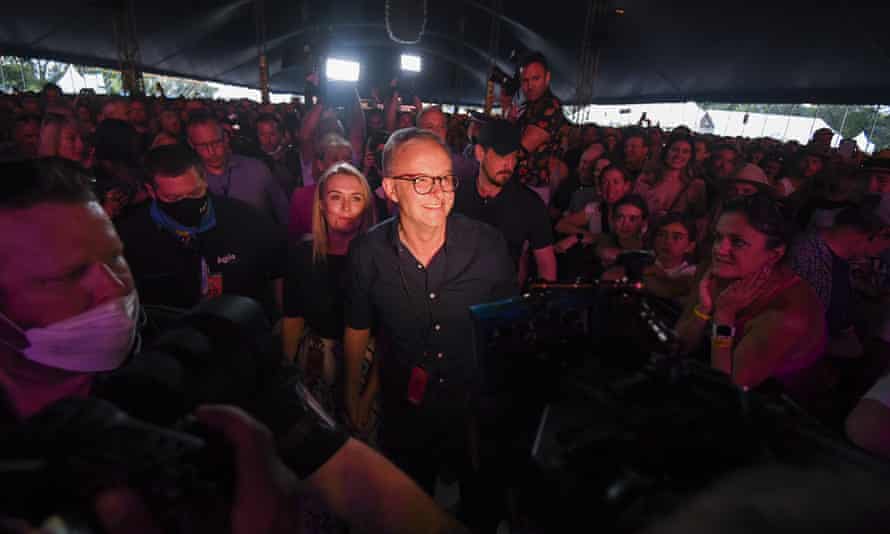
(233, 162)
(453, 241)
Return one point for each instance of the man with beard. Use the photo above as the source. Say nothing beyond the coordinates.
(636, 152)
(540, 121)
(497, 199)
(581, 183)
(282, 158)
(188, 244)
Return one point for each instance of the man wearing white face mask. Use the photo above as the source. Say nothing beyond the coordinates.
(68, 307)
(68, 310)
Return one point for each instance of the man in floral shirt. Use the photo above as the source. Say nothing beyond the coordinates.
(540, 120)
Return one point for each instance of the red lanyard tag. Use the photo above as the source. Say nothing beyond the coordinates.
(417, 385)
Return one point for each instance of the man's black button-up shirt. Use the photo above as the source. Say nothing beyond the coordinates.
(423, 312)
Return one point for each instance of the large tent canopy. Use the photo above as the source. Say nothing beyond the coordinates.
(629, 51)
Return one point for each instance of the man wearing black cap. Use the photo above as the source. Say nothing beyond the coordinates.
(473, 126)
(497, 199)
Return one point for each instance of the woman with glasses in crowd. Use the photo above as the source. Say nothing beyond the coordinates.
(758, 319)
(315, 285)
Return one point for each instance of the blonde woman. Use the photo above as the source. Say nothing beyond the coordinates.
(315, 283)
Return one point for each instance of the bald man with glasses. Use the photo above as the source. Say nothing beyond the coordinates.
(414, 278)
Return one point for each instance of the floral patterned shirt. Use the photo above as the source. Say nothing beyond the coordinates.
(546, 113)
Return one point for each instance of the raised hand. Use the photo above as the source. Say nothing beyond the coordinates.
(741, 293)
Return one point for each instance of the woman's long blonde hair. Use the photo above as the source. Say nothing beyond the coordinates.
(320, 224)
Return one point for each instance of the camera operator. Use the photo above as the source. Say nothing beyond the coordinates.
(69, 311)
(540, 119)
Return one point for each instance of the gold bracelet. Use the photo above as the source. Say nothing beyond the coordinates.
(722, 342)
(700, 314)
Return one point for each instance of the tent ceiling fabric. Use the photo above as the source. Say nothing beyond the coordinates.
(756, 51)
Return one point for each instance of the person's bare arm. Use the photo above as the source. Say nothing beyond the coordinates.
(663, 286)
(291, 332)
(307, 132)
(573, 223)
(355, 343)
(533, 137)
(391, 112)
(545, 259)
(691, 325)
(868, 426)
(357, 129)
(363, 488)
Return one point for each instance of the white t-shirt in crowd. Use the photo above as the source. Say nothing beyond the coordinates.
(785, 187)
(684, 269)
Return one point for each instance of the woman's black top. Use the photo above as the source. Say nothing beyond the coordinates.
(315, 291)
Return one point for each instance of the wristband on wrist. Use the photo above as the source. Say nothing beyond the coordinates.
(700, 314)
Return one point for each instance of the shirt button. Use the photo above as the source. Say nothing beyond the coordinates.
(440, 355)
(419, 266)
(437, 327)
(441, 380)
(432, 296)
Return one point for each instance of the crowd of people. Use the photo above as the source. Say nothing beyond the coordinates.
(366, 231)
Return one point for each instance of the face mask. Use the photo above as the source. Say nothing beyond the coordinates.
(187, 212)
(275, 152)
(99, 339)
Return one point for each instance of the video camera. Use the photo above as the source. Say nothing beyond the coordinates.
(56, 463)
(135, 430)
(509, 83)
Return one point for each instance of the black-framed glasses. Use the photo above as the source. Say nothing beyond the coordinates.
(423, 184)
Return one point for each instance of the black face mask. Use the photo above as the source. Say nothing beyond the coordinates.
(187, 212)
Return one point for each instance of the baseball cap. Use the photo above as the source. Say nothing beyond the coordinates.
(751, 173)
(501, 135)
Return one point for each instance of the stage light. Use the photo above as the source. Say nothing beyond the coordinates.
(410, 63)
(342, 70)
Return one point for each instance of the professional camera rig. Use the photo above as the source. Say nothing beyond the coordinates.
(142, 437)
(620, 433)
(56, 463)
